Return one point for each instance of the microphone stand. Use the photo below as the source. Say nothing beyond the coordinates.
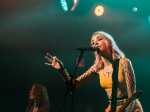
(71, 86)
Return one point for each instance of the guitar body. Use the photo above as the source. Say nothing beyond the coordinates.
(120, 108)
(109, 108)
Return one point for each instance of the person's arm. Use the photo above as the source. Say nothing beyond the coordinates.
(130, 81)
(44, 108)
(57, 64)
(84, 78)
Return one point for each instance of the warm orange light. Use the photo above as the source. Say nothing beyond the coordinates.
(75, 1)
(99, 10)
(75, 4)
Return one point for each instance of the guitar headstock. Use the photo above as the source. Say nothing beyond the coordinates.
(136, 95)
(132, 98)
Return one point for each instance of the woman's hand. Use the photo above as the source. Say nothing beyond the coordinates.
(54, 62)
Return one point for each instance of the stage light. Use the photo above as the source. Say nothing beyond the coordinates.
(135, 9)
(149, 19)
(77, 7)
(99, 10)
(82, 7)
(66, 4)
(75, 4)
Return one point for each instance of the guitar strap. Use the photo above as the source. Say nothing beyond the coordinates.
(114, 85)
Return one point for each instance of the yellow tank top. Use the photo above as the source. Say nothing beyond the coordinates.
(106, 82)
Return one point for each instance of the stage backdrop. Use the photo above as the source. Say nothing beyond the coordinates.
(30, 29)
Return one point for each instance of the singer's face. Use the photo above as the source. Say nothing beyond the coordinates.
(32, 93)
(100, 42)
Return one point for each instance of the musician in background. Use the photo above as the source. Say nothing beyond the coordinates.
(106, 54)
(38, 99)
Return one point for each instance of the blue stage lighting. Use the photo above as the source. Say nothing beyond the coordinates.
(66, 4)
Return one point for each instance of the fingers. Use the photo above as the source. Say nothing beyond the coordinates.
(54, 57)
(54, 62)
(48, 64)
(49, 57)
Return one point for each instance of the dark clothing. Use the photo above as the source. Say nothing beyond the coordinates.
(44, 108)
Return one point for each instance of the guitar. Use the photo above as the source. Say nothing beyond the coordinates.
(132, 98)
(127, 102)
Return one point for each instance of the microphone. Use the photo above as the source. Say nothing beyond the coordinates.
(87, 48)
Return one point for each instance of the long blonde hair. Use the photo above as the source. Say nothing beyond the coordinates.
(116, 52)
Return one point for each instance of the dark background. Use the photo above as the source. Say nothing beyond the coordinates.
(31, 28)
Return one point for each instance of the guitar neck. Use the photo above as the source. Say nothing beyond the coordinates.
(131, 99)
(125, 105)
